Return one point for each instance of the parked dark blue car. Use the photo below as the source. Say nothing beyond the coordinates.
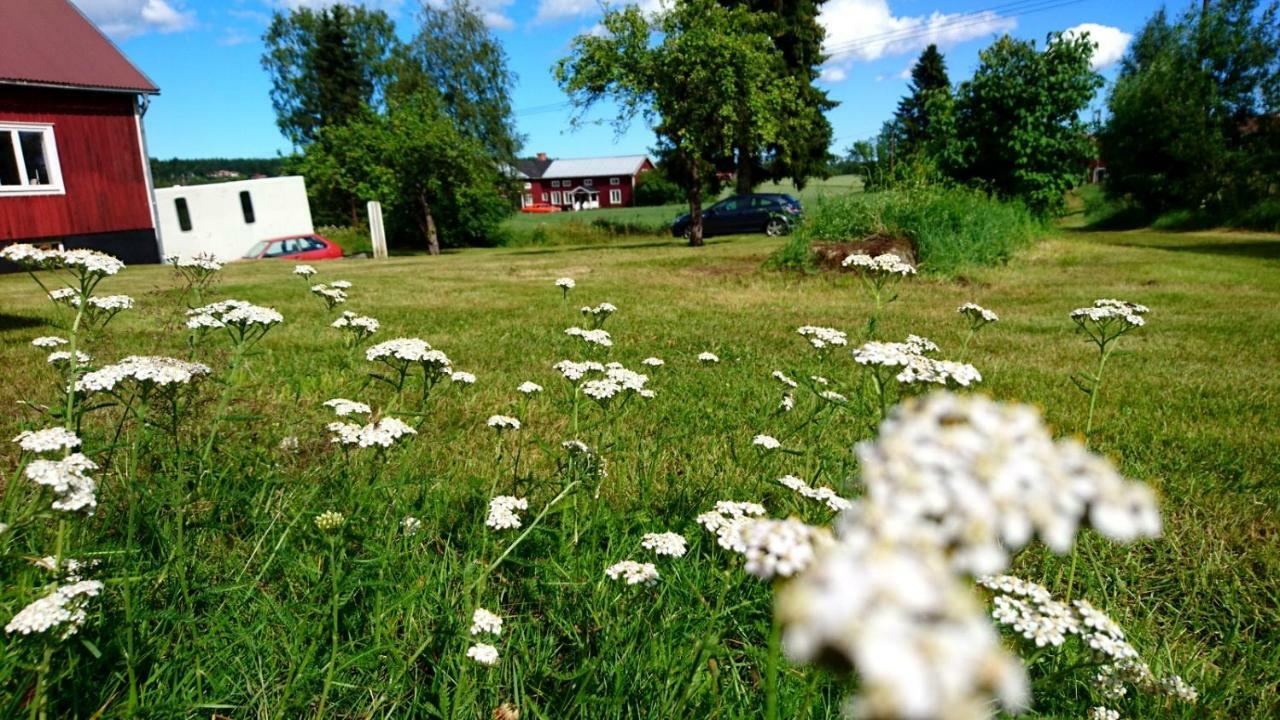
(772, 214)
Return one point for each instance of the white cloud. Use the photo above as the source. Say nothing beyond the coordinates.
(1109, 43)
(866, 30)
(493, 12)
(555, 10)
(388, 5)
(126, 18)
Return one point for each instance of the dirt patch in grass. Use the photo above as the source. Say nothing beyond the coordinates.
(830, 255)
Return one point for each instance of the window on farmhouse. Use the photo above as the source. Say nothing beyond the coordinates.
(184, 214)
(28, 160)
(246, 207)
(615, 197)
(614, 181)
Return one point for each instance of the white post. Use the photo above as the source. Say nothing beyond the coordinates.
(377, 232)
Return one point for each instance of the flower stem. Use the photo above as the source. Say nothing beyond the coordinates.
(333, 628)
(771, 673)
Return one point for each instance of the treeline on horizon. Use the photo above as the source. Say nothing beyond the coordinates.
(201, 171)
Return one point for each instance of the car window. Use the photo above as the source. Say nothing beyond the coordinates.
(764, 202)
(256, 250)
(726, 205)
(314, 244)
(276, 249)
(292, 245)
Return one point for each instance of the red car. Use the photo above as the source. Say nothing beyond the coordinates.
(296, 247)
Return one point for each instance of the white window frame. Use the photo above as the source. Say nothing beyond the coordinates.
(555, 183)
(528, 186)
(588, 182)
(544, 197)
(555, 197)
(55, 186)
(615, 197)
(614, 181)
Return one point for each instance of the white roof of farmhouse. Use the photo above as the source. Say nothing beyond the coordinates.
(593, 167)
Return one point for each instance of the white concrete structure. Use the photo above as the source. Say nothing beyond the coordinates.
(226, 219)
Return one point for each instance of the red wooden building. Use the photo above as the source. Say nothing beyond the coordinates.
(581, 183)
(73, 161)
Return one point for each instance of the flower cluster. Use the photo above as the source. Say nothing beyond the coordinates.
(777, 548)
(1107, 310)
(598, 336)
(304, 271)
(767, 442)
(565, 283)
(331, 294)
(708, 357)
(886, 264)
(244, 321)
(866, 599)
(383, 433)
(1031, 611)
(585, 459)
(484, 621)
(666, 543)
(599, 313)
(63, 610)
(359, 326)
(503, 422)
(977, 315)
(69, 479)
(913, 363)
(204, 262)
(330, 521)
(48, 341)
(63, 357)
(529, 388)
(47, 440)
(85, 263)
(633, 573)
(483, 653)
(727, 518)
(824, 494)
(462, 378)
(615, 379)
(148, 371)
(343, 407)
(982, 478)
(502, 512)
(402, 353)
(823, 338)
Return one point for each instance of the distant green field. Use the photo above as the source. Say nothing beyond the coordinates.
(565, 227)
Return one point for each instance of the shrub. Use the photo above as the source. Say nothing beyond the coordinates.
(950, 228)
(653, 188)
(353, 239)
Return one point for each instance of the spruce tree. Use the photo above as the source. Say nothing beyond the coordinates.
(923, 116)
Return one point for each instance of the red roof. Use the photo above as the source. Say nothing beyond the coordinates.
(48, 42)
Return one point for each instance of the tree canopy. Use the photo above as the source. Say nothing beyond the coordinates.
(326, 66)
(1018, 119)
(1193, 113)
(454, 54)
(707, 78)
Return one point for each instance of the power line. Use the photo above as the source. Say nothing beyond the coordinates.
(967, 20)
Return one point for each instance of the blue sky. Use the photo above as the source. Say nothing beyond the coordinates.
(204, 55)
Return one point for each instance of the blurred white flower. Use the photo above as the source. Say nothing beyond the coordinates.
(304, 270)
(768, 442)
(463, 378)
(653, 362)
(565, 283)
(708, 357)
(886, 264)
(69, 480)
(484, 654)
(777, 548)
(529, 388)
(591, 337)
(344, 407)
(977, 315)
(49, 341)
(484, 621)
(329, 521)
(823, 338)
(410, 525)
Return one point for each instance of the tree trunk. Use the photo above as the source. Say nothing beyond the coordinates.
(429, 226)
(695, 205)
(742, 173)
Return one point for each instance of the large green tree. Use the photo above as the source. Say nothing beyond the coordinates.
(326, 66)
(434, 182)
(802, 148)
(707, 78)
(925, 118)
(455, 55)
(1018, 119)
(1191, 121)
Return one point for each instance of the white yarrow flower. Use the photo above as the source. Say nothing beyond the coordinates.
(47, 440)
(484, 654)
(62, 610)
(484, 621)
(768, 442)
(503, 422)
(633, 573)
(667, 543)
(529, 388)
(343, 407)
(708, 357)
(502, 512)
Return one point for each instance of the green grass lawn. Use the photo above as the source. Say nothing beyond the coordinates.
(223, 598)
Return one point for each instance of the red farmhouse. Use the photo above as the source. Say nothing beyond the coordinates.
(583, 183)
(73, 162)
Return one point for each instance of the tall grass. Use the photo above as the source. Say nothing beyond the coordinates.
(951, 229)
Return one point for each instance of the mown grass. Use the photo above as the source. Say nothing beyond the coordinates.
(230, 580)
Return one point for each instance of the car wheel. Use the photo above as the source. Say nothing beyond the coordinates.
(688, 233)
(775, 228)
